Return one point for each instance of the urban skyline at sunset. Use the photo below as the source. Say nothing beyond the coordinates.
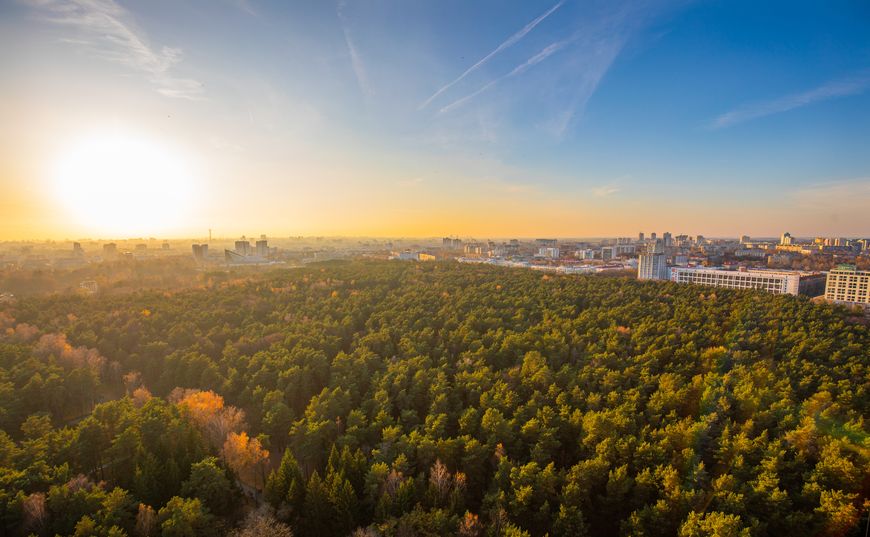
(564, 119)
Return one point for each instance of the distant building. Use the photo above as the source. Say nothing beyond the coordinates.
(141, 247)
(772, 281)
(110, 249)
(667, 239)
(263, 248)
(164, 246)
(549, 252)
(781, 259)
(786, 239)
(546, 243)
(652, 236)
(640, 237)
(200, 251)
(242, 247)
(77, 249)
(450, 243)
(846, 284)
(757, 253)
(473, 248)
(652, 264)
(586, 253)
(803, 249)
(744, 239)
(234, 258)
(89, 287)
(413, 256)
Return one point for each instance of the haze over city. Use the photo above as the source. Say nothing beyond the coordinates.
(564, 119)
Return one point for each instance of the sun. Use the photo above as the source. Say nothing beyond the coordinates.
(123, 185)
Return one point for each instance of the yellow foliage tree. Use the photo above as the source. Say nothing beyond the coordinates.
(246, 457)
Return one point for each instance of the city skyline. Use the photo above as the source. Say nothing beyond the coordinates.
(562, 119)
(759, 239)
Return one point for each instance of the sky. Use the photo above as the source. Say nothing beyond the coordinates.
(568, 118)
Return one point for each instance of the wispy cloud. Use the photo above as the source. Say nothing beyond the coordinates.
(830, 90)
(107, 31)
(244, 5)
(853, 194)
(590, 51)
(355, 59)
(595, 66)
(513, 188)
(605, 190)
(829, 207)
(505, 44)
(410, 182)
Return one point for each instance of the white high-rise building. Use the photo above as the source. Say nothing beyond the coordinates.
(549, 252)
(786, 239)
(652, 264)
(848, 285)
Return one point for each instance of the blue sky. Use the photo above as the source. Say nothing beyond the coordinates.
(570, 118)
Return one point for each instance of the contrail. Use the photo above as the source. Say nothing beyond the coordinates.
(510, 41)
(547, 51)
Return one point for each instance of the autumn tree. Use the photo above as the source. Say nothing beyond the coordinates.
(245, 456)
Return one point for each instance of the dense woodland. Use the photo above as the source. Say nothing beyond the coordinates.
(394, 398)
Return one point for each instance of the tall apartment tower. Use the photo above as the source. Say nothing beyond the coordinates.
(243, 247)
(200, 251)
(846, 284)
(652, 264)
(263, 248)
(640, 237)
(785, 240)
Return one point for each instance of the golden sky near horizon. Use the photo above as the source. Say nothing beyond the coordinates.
(120, 121)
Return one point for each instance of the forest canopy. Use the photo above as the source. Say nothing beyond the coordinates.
(394, 398)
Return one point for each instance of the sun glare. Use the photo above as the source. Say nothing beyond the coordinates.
(123, 185)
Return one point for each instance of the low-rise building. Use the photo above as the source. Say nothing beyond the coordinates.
(773, 281)
(89, 287)
(413, 256)
(757, 253)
